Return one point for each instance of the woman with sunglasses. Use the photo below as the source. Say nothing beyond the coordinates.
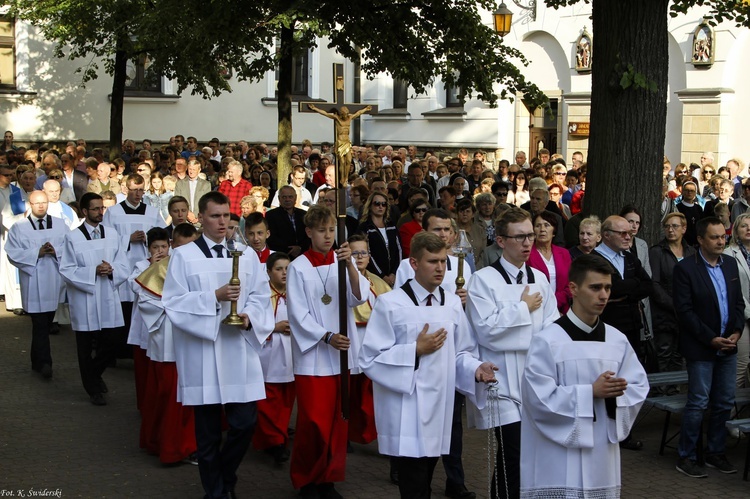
(382, 236)
(704, 183)
(417, 209)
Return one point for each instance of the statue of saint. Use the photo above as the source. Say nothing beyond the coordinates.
(342, 145)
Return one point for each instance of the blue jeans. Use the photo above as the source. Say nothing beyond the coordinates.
(711, 384)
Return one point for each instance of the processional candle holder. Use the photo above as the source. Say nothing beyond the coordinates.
(461, 248)
(234, 244)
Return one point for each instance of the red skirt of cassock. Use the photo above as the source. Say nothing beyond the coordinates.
(319, 450)
(168, 427)
(361, 410)
(274, 413)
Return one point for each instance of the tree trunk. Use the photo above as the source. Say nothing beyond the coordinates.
(116, 105)
(628, 126)
(284, 95)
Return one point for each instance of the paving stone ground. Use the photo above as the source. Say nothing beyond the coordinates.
(52, 438)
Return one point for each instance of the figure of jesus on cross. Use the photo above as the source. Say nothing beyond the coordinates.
(342, 144)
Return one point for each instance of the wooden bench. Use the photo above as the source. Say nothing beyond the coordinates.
(743, 425)
(667, 378)
(675, 404)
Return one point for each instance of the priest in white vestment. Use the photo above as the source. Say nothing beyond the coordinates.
(230, 377)
(582, 389)
(418, 351)
(13, 207)
(34, 247)
(94, 265)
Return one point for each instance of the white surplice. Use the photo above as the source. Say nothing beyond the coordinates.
(276, 352)
(160, 346)
(9, 276)
(138, 334)
(414, 406)
(310, 319)
(41, 284)
(216, 363)
(94, 300)
(405, 272)
(503, 327)
(569, 444)
(125, 225)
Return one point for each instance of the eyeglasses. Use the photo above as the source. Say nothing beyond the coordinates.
(54, 178)
(382, 204)
(6, 174)
(672, 226)
(520, 238)
(138, 191)
(360, 254)
(621, 233)
(562, 174)
(709, 172)
(420, 210)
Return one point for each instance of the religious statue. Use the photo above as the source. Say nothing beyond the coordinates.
(343, 144)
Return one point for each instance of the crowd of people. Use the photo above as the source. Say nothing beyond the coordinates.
(136, 255)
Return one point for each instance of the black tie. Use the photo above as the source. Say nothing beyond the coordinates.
(219, 249)
(41, 224)
(519, 277)
(429, 300)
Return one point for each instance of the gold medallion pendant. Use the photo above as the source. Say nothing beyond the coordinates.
(326, 299)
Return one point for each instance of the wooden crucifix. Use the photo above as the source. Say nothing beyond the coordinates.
(342, 115)
(342, 119)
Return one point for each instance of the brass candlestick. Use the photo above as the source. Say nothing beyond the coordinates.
(461, 248)
(233, 319)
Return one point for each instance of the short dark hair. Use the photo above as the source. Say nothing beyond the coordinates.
(275, 257)
(434, 213)
(588, 263)
(513, 216)
(156, 234)
(92, 196)
(215, 197)
(464, 204)
(500, 185)
(184, 230)
(176, 199)
(425, 241)
(701, 227)
(255, 218)
(358, 238)
(416, 204)
(548, 217)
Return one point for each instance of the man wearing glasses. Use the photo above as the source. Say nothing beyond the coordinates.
(507, 303)
(132, 219)
(630, 284)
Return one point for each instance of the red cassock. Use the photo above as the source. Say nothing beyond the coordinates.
(361, 410)
(274, 413)
(168, 427)
(319, 450)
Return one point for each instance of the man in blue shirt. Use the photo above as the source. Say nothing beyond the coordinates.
(710, 312)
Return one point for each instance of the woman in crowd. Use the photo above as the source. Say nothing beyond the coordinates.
(589, 236)
(707, 173)
(739, 249)
(358, 194)
(261, 195)
(555, 195)
(417, 210)
(157, 194)
(553, 261)
(475, 232)
(398, 172)
(383, 238)
(663, 257)
(520, 190)
(265, 181)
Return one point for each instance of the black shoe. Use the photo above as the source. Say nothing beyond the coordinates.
(326, 491)
(459, 492)
(690, 468)
(46, 371)
(98, 399)
(279, 453)
(18, 311)
(309, 491)
(394, 476)
(720, 463)
(103, 386)
(55, 328)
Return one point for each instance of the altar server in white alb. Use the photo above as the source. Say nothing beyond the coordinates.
(417, 351)
(582, 389)
(508, 303)
(132, 219)
(441, 223)
(94, 266)
(34, 246)
(217, 364)
(319, 448)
